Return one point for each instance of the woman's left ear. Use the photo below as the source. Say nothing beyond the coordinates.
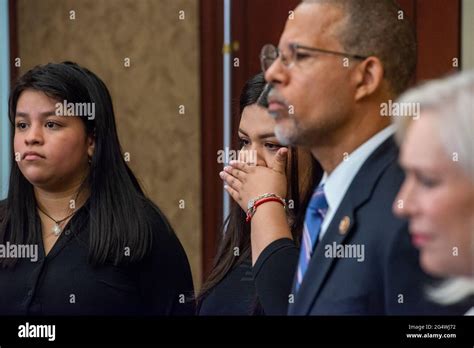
(90, 146)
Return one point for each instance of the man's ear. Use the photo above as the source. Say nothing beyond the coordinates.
(369, 76)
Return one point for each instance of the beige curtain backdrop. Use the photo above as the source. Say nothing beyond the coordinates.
(156, 97)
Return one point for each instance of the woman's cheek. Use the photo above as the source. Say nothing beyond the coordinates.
(270, 157)
(67, 151)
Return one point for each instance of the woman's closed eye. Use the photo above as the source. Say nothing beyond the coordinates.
(426, 181)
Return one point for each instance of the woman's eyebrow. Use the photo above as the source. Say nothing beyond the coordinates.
(243, 132)
(44, 114)
(266, 135)
(260, 136)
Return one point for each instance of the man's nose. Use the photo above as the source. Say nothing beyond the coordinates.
(276, 73)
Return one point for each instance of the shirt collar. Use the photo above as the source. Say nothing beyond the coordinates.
(336, 184)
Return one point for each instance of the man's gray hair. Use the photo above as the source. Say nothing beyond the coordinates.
(379, 28)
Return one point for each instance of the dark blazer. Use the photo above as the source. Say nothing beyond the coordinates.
(389, 280)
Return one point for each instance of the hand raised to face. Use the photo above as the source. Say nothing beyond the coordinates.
(244, 181)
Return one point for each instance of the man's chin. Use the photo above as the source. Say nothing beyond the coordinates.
(284, 135)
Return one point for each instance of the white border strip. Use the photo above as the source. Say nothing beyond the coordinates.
(227, 56)
(4, 94)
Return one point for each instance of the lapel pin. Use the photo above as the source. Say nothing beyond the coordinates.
(344, 225)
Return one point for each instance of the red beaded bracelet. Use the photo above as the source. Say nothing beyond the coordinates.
(252, 210)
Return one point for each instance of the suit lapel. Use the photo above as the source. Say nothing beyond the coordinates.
(320, 265)
(341, 226)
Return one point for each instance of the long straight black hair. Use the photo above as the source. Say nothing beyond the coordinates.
(237, 230)
(116, 204)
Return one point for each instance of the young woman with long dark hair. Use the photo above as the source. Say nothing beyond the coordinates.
(102, 247)
(230, 288)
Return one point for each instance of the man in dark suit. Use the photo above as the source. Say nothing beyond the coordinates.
(339, 65)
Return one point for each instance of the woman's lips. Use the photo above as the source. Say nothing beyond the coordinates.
(419, 240)
(32, 156)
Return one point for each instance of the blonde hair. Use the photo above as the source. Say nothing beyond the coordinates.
(452, 290)
(451, 102)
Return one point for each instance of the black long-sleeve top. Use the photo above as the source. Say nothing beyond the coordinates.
(64, 283)
(264, 288)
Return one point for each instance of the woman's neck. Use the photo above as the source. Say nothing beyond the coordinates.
(59, 203)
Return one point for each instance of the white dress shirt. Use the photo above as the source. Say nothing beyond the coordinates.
(336, 184)
(470, 312)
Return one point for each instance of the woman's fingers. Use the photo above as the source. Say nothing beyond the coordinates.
(233, 193)
(244, 167)
(236, 173)
(230, 180)
(279, 164)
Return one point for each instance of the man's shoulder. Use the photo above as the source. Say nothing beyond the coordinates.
(390, 181)
(380, 181)
(380, 177)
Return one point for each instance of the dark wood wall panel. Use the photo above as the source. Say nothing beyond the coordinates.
(438, 27)
(255, 23)
(409, 7)
(211, 41)
(12, 9)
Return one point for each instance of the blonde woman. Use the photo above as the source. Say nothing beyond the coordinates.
(437, 154)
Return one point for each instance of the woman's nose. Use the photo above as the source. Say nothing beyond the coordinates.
(403, 204)
(34, 135)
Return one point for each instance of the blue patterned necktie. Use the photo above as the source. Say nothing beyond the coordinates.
(317, 209)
